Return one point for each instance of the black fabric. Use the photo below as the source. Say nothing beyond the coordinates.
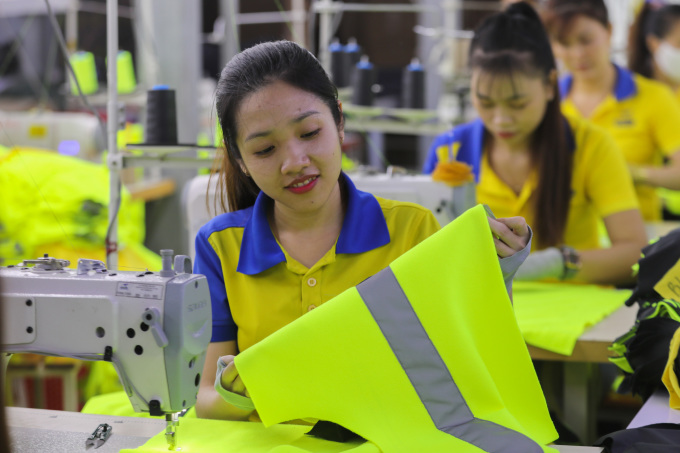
(658, 438)
(647, 354)
(657, 259)
(332, 431)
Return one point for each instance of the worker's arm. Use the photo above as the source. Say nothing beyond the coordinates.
(209, 403)
(613, 265)
(667, 176)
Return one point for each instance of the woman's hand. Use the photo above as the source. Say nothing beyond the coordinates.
(510, 235)
(230, 379)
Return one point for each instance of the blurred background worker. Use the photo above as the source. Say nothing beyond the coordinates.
(534, 162)
(654, 52)
(641, 114)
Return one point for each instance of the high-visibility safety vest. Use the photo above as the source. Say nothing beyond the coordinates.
(424, 356)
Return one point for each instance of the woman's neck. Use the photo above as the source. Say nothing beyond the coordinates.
(307, 236)
(601, 84)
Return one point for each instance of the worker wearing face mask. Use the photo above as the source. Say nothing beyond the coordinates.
(654, 52)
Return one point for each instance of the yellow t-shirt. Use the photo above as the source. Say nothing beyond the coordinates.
(643, 117)
(600, 183)
(256, 287)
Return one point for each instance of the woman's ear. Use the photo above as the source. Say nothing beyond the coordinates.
(243, 168)
(552, 84)
(341, 126)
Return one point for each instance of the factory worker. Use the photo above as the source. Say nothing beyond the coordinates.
(642, 115)
(561, 174)
(654, 52)
(299, 232)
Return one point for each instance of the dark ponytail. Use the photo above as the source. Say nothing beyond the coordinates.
(246, 73)
(651, 21)
(515, 41)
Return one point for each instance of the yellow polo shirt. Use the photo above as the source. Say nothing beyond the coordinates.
(600, 184)
(256, 287)
(643, 117)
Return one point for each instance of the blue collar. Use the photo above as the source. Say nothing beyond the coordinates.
(624, 88)
(364, 228)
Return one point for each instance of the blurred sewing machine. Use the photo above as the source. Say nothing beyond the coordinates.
(69, 133)
(445, 202)
(153, 326)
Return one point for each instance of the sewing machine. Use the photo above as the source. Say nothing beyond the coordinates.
(153, 326)
(445, 202)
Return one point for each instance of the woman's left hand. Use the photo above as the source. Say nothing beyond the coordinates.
(510, 235)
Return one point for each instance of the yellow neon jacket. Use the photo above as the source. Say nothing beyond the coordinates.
(424, 356)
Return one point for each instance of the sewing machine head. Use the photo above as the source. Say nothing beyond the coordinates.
(154, 326)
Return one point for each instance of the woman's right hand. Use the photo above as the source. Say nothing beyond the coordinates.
(230, 379)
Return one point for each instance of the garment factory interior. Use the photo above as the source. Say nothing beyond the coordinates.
(107, 190)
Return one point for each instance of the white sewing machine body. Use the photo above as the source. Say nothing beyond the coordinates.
(154, 326)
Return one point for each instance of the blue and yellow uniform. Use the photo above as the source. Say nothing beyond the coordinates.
(256, 287)
(600, 182)
(643, 117)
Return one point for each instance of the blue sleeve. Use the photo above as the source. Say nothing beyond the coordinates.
(208, 263)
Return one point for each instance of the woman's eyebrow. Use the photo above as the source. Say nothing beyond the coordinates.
(297, 119)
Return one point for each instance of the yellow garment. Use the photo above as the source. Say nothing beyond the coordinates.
(262, 303)
(669, 378)
(553, 316)
(55, 204)
(199, 436)
(601, 186)
(335, 364)
(644, 126)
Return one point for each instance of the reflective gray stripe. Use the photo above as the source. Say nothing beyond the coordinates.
(428, 373)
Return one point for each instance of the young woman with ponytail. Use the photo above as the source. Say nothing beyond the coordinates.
(297, 232)
(563, 175)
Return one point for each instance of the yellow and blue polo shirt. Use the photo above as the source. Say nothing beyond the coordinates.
(600, 182)
(256, 287)
(643, 117)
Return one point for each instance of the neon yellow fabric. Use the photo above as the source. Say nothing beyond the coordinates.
(669, 378)
(50, 203)
(117, 403)
(600, 183)
(334, 363)
(199, 435)
(644, 126)
(552, 316)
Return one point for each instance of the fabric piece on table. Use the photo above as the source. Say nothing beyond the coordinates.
(202, 435)
(552, 316)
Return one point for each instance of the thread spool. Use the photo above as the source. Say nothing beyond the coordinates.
(338, 67)
(86, 72)
(161, 116)
(126, 73)
(413, 86)
(362, 85)
(352, 54)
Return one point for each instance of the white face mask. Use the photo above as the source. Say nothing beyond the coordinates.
(667, 59)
